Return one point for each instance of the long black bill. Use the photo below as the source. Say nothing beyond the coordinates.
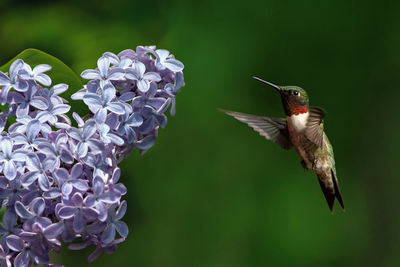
(270, 84)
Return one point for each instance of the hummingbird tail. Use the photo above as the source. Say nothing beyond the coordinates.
(338, 195)
(330, 190)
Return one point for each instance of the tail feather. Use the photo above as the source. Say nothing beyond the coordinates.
(337, 190)
(329, 192)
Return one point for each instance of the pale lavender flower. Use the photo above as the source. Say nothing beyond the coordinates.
(143, 80)
(36, 74)
(103, 73)
(167, 60)
(14, 81)
(37, 171)
(71, 180)
(114, 223)
(9, 159)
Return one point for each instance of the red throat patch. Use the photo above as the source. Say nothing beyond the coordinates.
(299, 110)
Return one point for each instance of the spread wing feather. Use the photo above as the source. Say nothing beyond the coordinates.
(315, 127)
(274, 129)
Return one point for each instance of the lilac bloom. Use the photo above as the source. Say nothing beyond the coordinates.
(14, 81)
(58, 150)
(173, 89)
(123, 62)
(84, 139)
(37, 171)
(30, 140)
(22, 123)
(11, 191)
(99, 199)
(80, 213)
(28, 99)
(32, 213)
(71, 180)
(103, 73)
(167, 60)
(143, 80)
(127, 124)
(26, 250)
(36, 74)
(9, 159)
(113, 219)
(149, 98)
(101, 103)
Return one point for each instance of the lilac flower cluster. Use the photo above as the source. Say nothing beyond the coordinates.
(59, 182)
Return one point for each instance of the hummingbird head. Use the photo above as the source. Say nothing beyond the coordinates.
(294, 98)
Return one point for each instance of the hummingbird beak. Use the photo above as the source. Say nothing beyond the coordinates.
(270, 84)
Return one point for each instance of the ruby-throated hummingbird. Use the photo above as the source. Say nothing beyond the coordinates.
(302, 129)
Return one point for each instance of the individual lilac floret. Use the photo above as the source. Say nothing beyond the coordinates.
(103, 73)
(60, 183)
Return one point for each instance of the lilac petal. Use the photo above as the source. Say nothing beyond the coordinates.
(102, 212)
(44, 182)
(54, 230)
(95, 254)
(66, 189)
(127, 96)
(74, 133)
(6, 146)
(120, 188)
(43, 79)
(101, 115)
(143, 85)
(98, 185)
(88, 130)
(146, 142)
(109, 234)
(91, 75)
(82, 150)
(9, 219)
(52, 193)
(174, 65)
(152, 76)
(121, 228)
(67, 212)
(39, 102)
(66, 156)
(10, 171)
(116, 74)
(76, 171)
(121, 211)
(103, 64)
(41, 68)
(77, 199)
(135, 120)
(108, 93)
(90, 213)
(110, 197)
(60, 109)
(131, 74)
(15, 243)
(89, 201)
(59, 88)
(28, 178)
(32, 162)
(162, 54)
(4, 79)
(117, 108)
(46, 148)
(32, 129)
(37, 205)
(22, 259)
(114, 59)
(22, 211)
(140, 68)
(116, 139)
(93, 101)
(78, 222)
(48, 163)
(80, 185)
(116, 175)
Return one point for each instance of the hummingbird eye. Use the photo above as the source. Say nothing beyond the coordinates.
(296, 92)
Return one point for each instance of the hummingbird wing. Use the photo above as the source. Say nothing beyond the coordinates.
(274, 129)
(315, 127)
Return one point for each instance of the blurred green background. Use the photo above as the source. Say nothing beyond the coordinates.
(212, 192)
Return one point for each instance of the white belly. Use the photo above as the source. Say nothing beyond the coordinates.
(298, 122)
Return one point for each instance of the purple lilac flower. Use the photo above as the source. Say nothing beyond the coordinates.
(59, 182)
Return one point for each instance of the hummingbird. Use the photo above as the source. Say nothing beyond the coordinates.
(302, 129)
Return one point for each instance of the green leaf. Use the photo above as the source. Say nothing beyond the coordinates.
(60, 73)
